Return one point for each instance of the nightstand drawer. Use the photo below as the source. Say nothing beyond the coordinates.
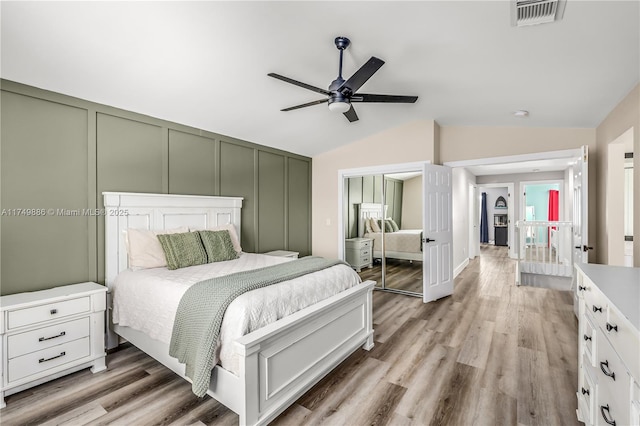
(48, 312)
(46, 337)
(37, 362)
(365, 244)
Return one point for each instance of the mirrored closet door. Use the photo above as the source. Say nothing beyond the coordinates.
(382, 215)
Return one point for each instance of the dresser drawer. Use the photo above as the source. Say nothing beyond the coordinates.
(45, 359)
(586, 396)
(625, 341)
(595, 306)
(613, 378)
(48, 312)
(46, 337)
(589, 337)
(609, 409)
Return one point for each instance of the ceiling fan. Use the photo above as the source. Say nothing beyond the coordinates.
(342, 93)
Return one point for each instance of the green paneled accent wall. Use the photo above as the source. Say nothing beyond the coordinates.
(238, 178)
(49, 242)
(299, 206)
(271, 184)
(61, 152)
(191, 164)
(368, 189)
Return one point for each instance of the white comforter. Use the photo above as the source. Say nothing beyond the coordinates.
(147, 300)
(404, 240)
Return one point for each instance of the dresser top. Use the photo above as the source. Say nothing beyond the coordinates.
(620, 284)
(52, 294)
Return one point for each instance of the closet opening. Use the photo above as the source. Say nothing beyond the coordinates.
(396, 227)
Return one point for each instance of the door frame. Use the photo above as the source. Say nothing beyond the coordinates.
(384, 169)
(510, 214)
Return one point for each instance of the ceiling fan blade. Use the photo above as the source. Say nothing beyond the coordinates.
(318, 102)
(351, 115)
(362, 75)
(368, 97)
(298, 83)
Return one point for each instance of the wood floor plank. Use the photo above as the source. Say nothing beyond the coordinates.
(475, 348)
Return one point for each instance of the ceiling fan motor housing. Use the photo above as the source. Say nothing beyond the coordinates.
(338, 97)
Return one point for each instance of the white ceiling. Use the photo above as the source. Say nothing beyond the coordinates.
(535, 166)
(205, 64)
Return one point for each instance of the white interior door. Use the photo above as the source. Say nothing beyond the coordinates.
(580, 209)
(438, 234)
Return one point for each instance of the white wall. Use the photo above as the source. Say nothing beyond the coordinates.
(460, 206)
(412, 203)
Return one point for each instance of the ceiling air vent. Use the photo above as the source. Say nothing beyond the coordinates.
(532, 12)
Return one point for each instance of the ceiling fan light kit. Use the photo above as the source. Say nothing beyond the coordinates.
(341, 94)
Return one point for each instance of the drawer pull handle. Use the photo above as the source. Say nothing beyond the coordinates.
(597, 309)
(587, 337)
(585, 391)
(612, 327)
(53, 311)
(607, 372)
(42, 339)
(604, 408)
(581, 288)
(53, 357)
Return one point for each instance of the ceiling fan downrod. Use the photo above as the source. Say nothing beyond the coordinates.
(341, 43)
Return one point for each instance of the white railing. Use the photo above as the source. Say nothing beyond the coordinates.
(544, 248)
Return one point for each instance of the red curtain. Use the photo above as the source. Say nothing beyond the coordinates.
(554, 210)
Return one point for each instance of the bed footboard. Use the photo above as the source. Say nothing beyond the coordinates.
(283, 360)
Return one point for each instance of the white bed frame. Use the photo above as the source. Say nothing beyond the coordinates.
(374, 211)
(279, 362)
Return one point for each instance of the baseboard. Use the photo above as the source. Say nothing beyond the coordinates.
(460, 267)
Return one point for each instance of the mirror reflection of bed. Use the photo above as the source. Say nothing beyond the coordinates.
(384, 217)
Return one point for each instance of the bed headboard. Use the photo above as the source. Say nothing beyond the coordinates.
(369, 210)
(125, 210)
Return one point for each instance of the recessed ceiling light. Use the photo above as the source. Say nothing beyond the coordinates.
(521, 113)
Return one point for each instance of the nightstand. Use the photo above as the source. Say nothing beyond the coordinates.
(50, 333)
(283, 253)
(358, 252)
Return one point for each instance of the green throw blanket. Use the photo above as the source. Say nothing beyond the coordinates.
(201, 309)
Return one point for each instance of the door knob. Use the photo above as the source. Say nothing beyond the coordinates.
(427, 240)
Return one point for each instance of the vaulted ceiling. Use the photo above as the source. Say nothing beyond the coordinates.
(205, 64)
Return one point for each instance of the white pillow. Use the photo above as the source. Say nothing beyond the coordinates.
(374, 225)
(367, 225)
(232, 233)
(144, 249)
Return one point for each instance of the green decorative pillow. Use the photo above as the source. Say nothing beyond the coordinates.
(182, 250)
(386, 225)
(218, 245)
(394, 225)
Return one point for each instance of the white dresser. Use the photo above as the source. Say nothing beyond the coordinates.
(609, 345)
(47, 334)
(358, 252)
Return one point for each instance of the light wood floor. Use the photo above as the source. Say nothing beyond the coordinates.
(490, 354)
(400, 274)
